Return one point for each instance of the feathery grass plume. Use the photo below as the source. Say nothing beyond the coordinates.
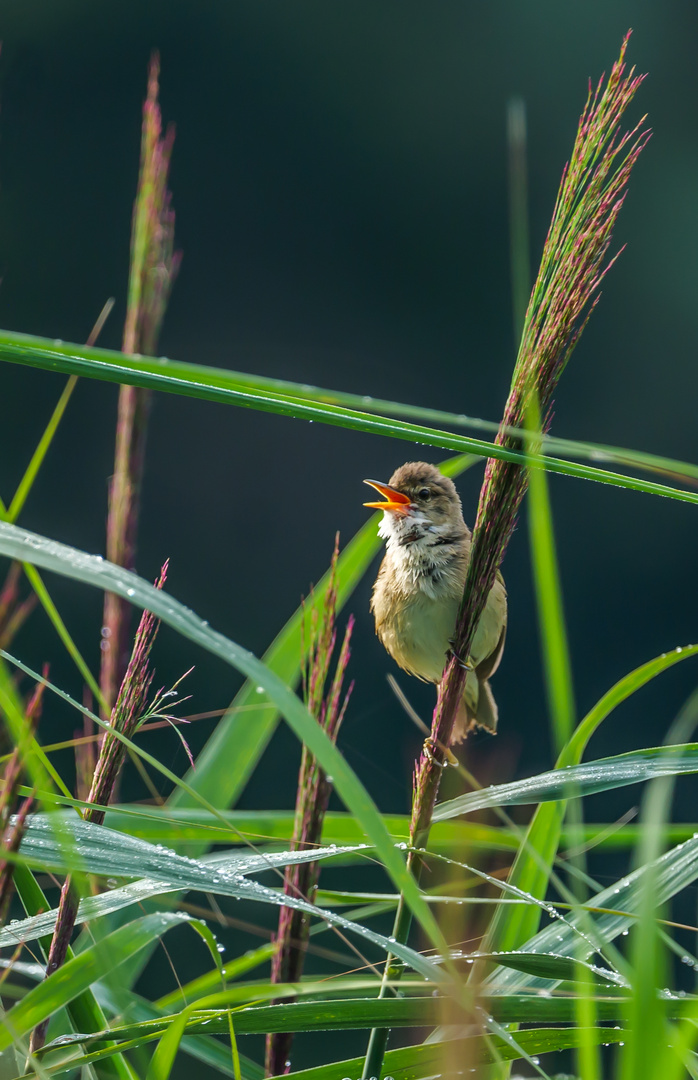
(573, 264)
(126, 718)
(311, 800)
(12, 828)
(154, 266)
(591, 194)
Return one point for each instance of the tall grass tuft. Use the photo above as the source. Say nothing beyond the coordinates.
(126, 717)
(328, 707)
(154, 267)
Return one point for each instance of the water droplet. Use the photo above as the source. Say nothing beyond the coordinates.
(130, 592)
(104, 645)
(260, 690)
(105, 631)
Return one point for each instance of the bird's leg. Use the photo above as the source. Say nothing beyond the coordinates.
(467, 665)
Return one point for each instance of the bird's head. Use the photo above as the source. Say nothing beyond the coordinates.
(418, 500)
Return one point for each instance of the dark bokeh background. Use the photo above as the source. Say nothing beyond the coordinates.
(339, 178)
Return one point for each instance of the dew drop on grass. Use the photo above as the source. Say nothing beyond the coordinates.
(130, 592)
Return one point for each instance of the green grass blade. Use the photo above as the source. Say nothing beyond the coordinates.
(206, 984)
(646, 1016)
(214, 384)
(551, 620)
(226, 762)
(84, 1010)
(543, 834)
(605, 774)
(426, 1060)
(79, 973)
(446, 1059)
(360, 1013)
(26, 483)
(42, 352)
(620, 904)
(200, 1047)
(95, 571)
(105, 852)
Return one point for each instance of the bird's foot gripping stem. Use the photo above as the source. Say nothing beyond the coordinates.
(430, 754)
(467, 665)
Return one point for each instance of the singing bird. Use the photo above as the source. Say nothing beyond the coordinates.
(419, 588)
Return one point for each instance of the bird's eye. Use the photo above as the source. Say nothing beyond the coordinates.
(424, 493)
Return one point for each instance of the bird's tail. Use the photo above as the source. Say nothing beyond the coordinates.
(476, 709)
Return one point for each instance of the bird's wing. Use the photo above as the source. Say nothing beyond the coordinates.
(490, 664)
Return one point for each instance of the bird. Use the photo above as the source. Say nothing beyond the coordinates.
(419, 587)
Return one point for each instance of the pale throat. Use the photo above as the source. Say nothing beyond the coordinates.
(419, 552)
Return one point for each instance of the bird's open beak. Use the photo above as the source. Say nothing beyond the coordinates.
(397, 503)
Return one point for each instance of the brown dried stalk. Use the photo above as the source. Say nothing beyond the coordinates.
(312, 799)
(126, 715)
(154, 266)
(573, 264)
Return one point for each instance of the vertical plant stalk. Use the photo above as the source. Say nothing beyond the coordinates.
(126, 715)
(12, 831)
(312, 799)
(573, 264)
(154, 266)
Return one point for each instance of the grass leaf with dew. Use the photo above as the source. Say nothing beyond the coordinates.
(575, 781)
(106, 853)
(191, 380)
(619, 906)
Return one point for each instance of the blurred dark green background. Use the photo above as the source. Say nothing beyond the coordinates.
(339, 178)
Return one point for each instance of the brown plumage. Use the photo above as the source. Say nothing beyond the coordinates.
(420, 583)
